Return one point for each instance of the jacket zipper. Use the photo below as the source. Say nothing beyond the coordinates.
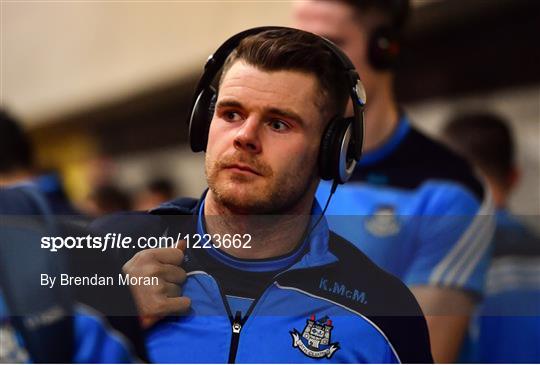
(237, 325)
(237, 322)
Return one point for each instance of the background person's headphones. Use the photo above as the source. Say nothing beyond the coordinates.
(384, 43)
(384, 48)
(341, 143)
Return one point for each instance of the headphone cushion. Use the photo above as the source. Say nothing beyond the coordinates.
(328, 149)
(330, 153)
(201, 116)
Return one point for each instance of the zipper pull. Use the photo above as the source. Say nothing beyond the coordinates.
(237, 323)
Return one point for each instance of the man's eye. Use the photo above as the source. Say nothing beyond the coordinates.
(231, 116)
(278, 125)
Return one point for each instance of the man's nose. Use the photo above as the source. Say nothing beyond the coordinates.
(247, 137)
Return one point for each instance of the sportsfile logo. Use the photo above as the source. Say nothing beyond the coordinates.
(342, 290)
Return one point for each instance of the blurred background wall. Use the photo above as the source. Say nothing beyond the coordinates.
(103, 87)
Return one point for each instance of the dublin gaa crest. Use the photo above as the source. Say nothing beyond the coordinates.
(384, 222)
(314, 341)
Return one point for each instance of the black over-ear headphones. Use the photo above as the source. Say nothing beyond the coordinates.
(341, 144)
(384, 48)
(385, 40)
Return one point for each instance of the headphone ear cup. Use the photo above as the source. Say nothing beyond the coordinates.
(325, 158)
(335, 160)
(383, 48)
(331, 153)
(201, 116)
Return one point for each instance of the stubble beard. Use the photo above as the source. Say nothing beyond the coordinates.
(266, 194)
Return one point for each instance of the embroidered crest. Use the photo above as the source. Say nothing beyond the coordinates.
(314, 341)
(383, 222)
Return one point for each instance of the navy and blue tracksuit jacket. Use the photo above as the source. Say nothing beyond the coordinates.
(332, 304)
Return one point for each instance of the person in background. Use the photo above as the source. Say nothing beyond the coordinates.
(50, 184)
(156, 192)
(17, 166)
(46, 324)
(106, 199)
(507, 325)
(16, 155)
(413, 206)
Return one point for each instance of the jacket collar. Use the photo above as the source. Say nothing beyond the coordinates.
(317, 254)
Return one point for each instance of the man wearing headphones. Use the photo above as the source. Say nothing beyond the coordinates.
(412, 206)
(289, 289)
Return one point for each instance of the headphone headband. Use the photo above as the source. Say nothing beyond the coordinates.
(205, 95)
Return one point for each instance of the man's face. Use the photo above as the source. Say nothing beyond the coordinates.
(337, 22)
(264, 140)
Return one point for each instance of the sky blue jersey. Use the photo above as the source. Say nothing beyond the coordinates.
(506, 327)
(416, 209)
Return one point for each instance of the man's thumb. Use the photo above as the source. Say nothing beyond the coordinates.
(181, 245)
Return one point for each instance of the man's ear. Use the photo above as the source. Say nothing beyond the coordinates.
(514, 177)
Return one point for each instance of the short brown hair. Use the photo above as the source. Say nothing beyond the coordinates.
(392, 13)
(297, 50)
(486, 140)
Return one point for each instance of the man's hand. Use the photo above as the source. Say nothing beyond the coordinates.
(156, 301)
